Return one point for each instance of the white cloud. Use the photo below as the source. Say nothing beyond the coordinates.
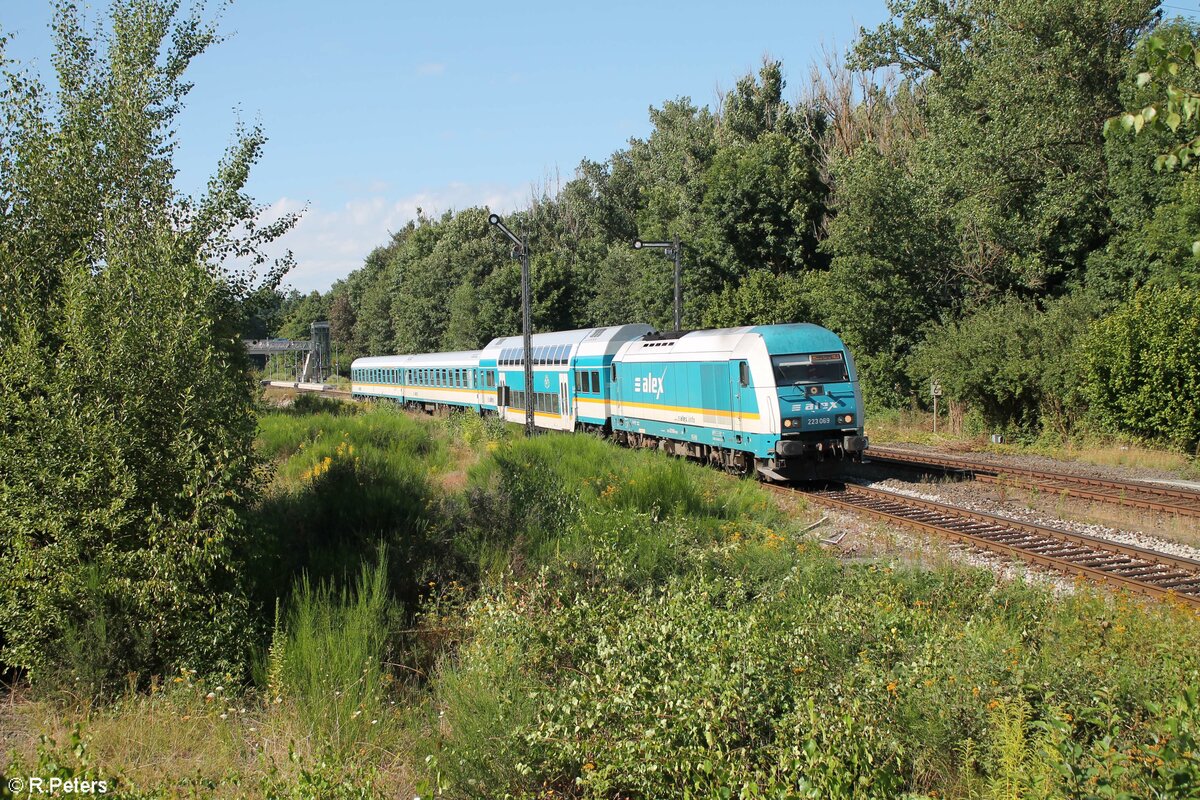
(329, 243)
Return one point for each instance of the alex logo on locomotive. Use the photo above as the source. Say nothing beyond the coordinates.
(649, 384)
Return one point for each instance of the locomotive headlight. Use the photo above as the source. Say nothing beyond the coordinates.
(846, 419)
(787, 423)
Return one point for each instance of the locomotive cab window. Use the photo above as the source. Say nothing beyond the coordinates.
(809, 368)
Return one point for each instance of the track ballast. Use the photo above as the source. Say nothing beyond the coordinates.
(1103, 561)
(1137, 494)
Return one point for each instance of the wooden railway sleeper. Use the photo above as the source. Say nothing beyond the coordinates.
(1105, 560)
(1177, 582)
(1139, 571)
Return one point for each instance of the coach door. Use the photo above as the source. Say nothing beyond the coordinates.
(564, 401)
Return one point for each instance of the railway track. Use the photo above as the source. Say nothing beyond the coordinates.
(1102, 561)
(1169, 500)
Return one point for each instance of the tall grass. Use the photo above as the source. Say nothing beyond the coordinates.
(328, 658)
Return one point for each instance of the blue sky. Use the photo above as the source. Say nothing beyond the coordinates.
(376, 108)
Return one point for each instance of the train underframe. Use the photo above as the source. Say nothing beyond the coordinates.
(808, 459)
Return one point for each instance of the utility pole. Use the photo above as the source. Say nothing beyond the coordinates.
(521, 249)
(670, 249)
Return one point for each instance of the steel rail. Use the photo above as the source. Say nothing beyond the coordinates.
(1169, 500)
(1100, 560)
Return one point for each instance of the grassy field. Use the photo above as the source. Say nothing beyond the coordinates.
(897, 427)
(454, 611)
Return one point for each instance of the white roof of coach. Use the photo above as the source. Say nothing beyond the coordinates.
(589, 341)
(461, 358)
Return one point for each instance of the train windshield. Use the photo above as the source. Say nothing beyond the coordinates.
(809, 368)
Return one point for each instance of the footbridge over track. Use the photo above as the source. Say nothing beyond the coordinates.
(305, 360)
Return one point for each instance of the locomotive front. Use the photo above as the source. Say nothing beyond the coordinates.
(819, 401)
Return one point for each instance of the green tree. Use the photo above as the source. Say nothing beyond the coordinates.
(891, 245)
(126, 410)
(1015, 94)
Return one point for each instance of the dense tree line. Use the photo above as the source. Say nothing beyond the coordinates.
(947, 201)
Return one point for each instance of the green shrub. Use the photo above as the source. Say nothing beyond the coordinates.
(1142, 366)
(826, 681)
(1012, 364)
